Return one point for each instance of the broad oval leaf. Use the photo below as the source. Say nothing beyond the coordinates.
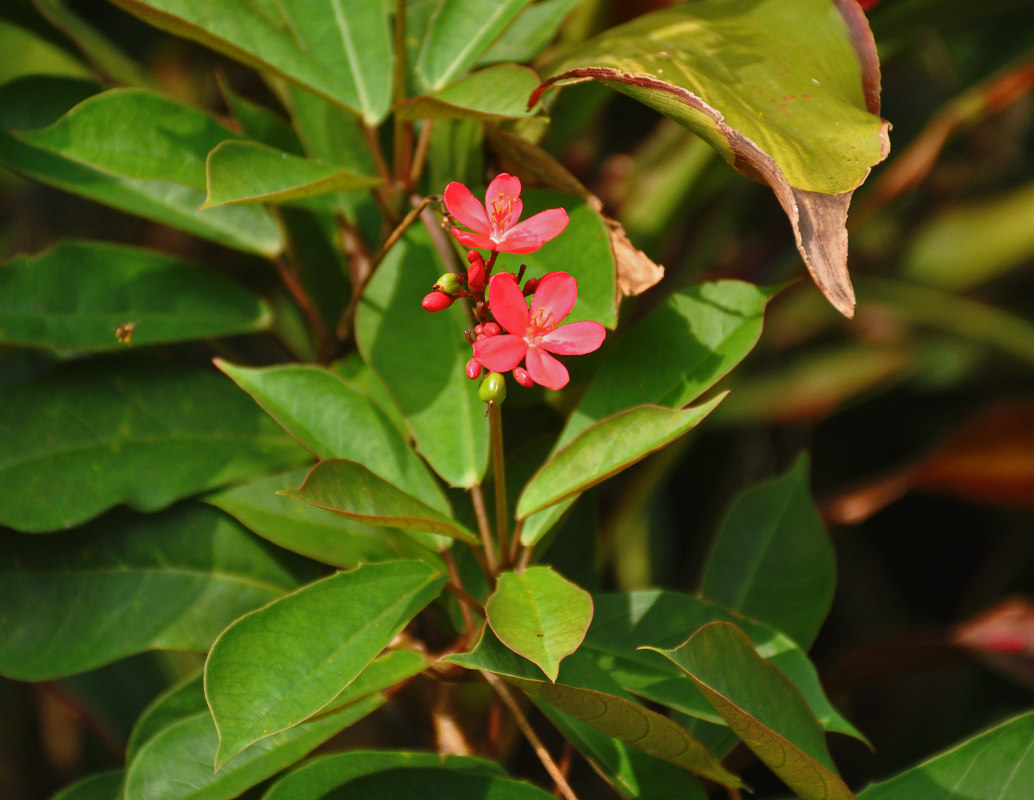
(789, 96)
(77, 294)
(99, 786)
(997, 764)
(530, 33)
(540, 615)
(773, 559)
(420, 357)
(351, 490)
(497, 92)
(763, 707)
(605, 449)
(249, 172)
(281, 664)
(164, 581)
(434, 783)
(176, 764)
(154, 434)
(182, 700)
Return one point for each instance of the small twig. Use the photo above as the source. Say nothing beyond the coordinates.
(455, 585)
(565, 763)
(485, 529)
(515, 544)
(301, 297)
(511, 703)
(525, 559)
(380, 193)
(400, 229)
(502, 522)
(423, 144)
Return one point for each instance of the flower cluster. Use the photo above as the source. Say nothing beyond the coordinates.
(507, 332)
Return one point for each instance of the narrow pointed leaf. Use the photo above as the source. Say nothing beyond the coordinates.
(458, 33)
(497, 92)
(800, 114)
(997, 764)
(99, 786)
(606, 448)
(540, 615)
(249, 172)
(177, 763)
(323, 413)
(530, 33)
(773, 559)
(182, 700)
(281, 664)
(79, 293)
(351, 490)
(764, 709)
(165, 581)
(434, 783)
(155, 434)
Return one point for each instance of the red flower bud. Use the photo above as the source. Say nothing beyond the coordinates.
(530, 286)
(436, 301)
(479, 329)
(490, 329)
(476, 274)
(473, 369)
(520, 374)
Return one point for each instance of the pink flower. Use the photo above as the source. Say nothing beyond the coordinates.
(532, 335)
(494, 224)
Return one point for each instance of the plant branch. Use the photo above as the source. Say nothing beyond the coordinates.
(515, 544)
(485, 529)
(455, 585)
(502, 522)
(423, 144)
(525, 558)
(511, 703)
(301, 297)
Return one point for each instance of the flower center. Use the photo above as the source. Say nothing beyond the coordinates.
(499, 210)
(541, 324)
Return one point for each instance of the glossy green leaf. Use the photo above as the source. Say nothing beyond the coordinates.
(134, 133)
(258, 122)
(177, 763)
(420, 357)
(306, 529)
(317, 778)
(281, 664)
(497, 92)
(324, 413)
(626, 622)
(37, 101)
(164, 581)
(458, 33)
(606, 448)
(358, 374)
(78, 293)
(249, 172)
(90, 436)
(244, 32)
(530, 33)
(765, 709)
(799, 112)
(586, 692)
(633, 774)
(540, 615)
(182, 700)
(773, 559)
(997, 764)
(675, 353)
(434, 783)
(351, 490)
(99, 786)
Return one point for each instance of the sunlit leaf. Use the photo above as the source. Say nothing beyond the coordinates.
(530, 33)
(498, 92)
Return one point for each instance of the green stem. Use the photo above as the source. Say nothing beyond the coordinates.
(485, 529)
(502, 522)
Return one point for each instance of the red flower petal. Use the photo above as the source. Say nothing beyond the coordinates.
(555, 294)
(541, 227)
(507, 304)
(466, 208)
(544, 369)
(500, 353)
(574, 339)
(474, 239)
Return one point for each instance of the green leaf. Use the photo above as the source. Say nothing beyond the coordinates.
(78, 293)
(259, 122)
(99, 786)
(317, 778)
(624, 623)
(165, 581)
(249, 172)
(357, 374)
(606, 448)
(530, 33)
(308, 530)
(37, 101)
(773, 559)
(586, 692)
(245, 33)
(90, 436)
(540, 615)
(997, 764)
(498, 92)
(281, 664)
(421, 357)
(433, 783)
(184, 699)
(134, 133)
(763, 707)
(458, 33)
(801, 112)
(351, 490)
(177, 763)
(323, 413)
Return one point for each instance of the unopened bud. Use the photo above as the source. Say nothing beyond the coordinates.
(490, 329)
(473, 369)
(448, 283)
(530, 286)
(476, 273)
(492, 388)
(520, 374)
(436, 301)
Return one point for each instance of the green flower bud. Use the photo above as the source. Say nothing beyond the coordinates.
(492, 388)
(449, 283)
